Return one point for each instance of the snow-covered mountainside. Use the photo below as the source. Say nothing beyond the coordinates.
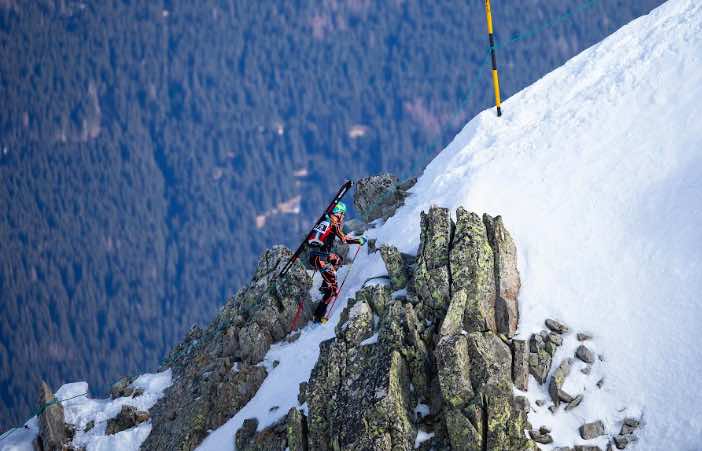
(596, 171)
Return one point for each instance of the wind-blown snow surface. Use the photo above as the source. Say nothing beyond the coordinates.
(597, 172)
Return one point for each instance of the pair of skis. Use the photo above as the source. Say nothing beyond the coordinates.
(342, 191)
(339, 195)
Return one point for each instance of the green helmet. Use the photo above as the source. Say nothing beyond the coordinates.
(339, 208)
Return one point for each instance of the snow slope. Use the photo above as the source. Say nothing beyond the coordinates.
(597, 172)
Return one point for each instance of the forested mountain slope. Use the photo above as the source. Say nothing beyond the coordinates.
(150, 151)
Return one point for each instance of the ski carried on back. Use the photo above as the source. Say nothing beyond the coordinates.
(342, 191)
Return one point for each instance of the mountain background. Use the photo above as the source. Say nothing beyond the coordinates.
(149, 152)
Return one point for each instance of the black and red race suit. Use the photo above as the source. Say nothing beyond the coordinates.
(321, 241)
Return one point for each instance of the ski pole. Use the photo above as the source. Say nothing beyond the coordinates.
(300, 306)
(331, 306)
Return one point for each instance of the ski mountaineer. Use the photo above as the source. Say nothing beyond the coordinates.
(320, 242)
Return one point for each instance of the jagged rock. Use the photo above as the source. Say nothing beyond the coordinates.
(453, 365)
(555, 338)
(622, 440)
(52, 425)
(359, 325)
(543, 438)
(398, 332)
(472, 269)
(89, 425)
(431, 275)
(555, 387)
(214, 369)
(359, 398)
(591, 430)
(379, 196)
(587, 448)
(121, 388)
(395, 266)
(296, 430)
(246, 432)
(539, 359)
(584, 336)
(575, 402)
(377, 296)
(520, 364)
(556, 326)
(127, 418)
(302, 393)
(562, 448)
(507, 280)
(584, 354)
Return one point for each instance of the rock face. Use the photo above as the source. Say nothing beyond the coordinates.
(380, 195)
(52, 426)
(214, 370)
(439, 348)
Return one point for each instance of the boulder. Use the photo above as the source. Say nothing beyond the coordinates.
(585, 354)
(507, 280)
(395, 265)
(539, 359)
(377, 197)
(555, 387)
(52, 425)
(584, 336)
(587, 448)
(592, 430)
(127, 418)
(575, 402)
(556, 326)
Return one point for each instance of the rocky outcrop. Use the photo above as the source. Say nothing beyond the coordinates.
(378, 196)
(214, 370)
(440, 348)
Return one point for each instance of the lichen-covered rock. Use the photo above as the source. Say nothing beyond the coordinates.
(215, 371)
(127, 418)
(431, 275)
(539, 359)
(52, 425)
(296, 430)
(453, 366)
(591, 430)
(359, 398)
(507, 280)
(380, 195)
(121, 388)
(395, 266)
(377, 296)
(520, 364)
(359, 325)
(472, 270)
(555, 387)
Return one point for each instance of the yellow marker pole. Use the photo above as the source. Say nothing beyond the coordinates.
(495, 79)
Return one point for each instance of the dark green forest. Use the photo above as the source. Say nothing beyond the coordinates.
(150, 151)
